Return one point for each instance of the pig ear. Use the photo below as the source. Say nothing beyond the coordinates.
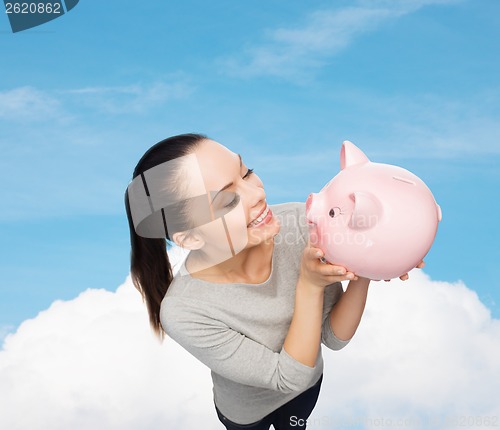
(350, 154)
(367, 211)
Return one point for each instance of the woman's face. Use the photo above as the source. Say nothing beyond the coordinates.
(236, 200)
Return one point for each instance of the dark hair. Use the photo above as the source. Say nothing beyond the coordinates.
(150, 267)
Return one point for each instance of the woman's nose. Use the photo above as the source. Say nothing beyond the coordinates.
(254, 193)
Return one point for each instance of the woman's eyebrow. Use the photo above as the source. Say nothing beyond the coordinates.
(225, 187)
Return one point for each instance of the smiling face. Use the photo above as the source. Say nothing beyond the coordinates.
(237, 208)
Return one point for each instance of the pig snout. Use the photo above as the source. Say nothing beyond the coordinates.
(308, 204)
(312, 212)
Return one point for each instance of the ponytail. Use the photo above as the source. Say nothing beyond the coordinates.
(151, 272)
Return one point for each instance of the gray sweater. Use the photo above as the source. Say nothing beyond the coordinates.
(238, 330)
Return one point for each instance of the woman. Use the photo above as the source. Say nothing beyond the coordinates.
(253, 300)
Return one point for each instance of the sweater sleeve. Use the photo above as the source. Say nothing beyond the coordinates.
(230, 353)
(328, 338)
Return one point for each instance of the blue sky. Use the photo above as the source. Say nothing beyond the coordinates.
(413, 83)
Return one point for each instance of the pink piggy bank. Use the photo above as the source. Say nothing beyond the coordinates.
(376, 220)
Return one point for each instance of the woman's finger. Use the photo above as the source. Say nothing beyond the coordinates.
(339, 270)
(331, 270)
(334, 270)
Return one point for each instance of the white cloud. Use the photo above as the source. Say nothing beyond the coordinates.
(28, 103)
(92, 363)
(425, 349)
(290, 52)
(135, 98)
(5, 330)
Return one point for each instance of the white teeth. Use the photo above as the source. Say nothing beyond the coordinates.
(260, 218)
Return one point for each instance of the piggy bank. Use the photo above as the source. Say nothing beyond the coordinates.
(376, 220)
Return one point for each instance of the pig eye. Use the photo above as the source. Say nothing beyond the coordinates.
(334, 212)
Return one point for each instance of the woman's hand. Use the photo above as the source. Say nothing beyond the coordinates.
(320, 274)
(405, 276)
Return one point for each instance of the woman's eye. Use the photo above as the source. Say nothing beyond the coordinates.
(233, 202)
(248, 173)
(236, 199)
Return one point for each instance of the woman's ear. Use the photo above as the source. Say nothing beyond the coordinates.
(188, 240)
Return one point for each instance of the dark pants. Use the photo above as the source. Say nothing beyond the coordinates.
(290, 416)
